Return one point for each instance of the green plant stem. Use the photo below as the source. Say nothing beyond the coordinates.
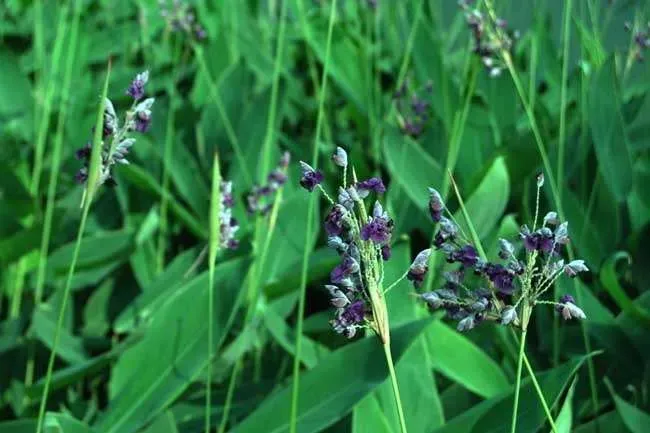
(568, 6)
(540, 394)
(273, 108)
(229, 395)
(556, 195)
(393, 381)
(214, 242)
(62, 309)
(515, 405)
(89, 193)
(310, 217)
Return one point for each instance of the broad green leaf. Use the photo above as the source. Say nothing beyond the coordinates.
(488, 415)
(15, 88)
(63, 423)
(608, 130)
(347, 60)
(139, 178)
(609, 279)
(188, 179)
(607, 422)
(94, 250)
(311, 352)
(53, 423)
(21, 243)
(369, 417)
(165, 423)
(144, 384)
(636, 420)
(458, 358)
(564, 421)
(69, 347)
(330, 390)
(487, 203)
(155, 293)
(411, 167)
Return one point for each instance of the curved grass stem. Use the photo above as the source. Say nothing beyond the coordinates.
(215, 240)
(540, 394)
(396, 394)
(59, 322)
(310, 217)
(515, 404)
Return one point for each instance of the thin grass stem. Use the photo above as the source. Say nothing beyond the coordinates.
(515, 404)
(310, 218)
(393, 381)
(215, 241)
(89, 193)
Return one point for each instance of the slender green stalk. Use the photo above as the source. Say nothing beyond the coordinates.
(215, 240)
(525, 310)
(62, 309)
(47, 105)
(393, 381)
(310, 217)
(568, 6)
(540, 394)
(54, 174)
(515, 405)
(89, 193)
(229, 395)
(273, 106)
(556, 196)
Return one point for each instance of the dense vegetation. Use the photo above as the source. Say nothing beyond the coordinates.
(163, 267)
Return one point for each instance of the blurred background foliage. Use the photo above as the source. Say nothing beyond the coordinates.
(133, 352)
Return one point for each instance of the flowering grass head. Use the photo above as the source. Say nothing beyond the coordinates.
(117, 139)
(506, 289)
(490, 36)
(180, 18)
(413, 110)
(360, 230)
(259, 200)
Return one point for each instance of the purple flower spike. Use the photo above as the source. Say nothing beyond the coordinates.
(348, 267)
(310, 177)
(569, 309)
(466, 255)
(350, 319)
(83, 154)
(354, 313)
(436, 205)
(136, 89)
(419, 268)
(386, 252)
(340, 157)
(501, 277)
(142, 122)
(335, 220)
(573, 268)
(379, 228)
(373, 184)
(82, 176)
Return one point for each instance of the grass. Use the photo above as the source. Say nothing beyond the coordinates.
(327, 73)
